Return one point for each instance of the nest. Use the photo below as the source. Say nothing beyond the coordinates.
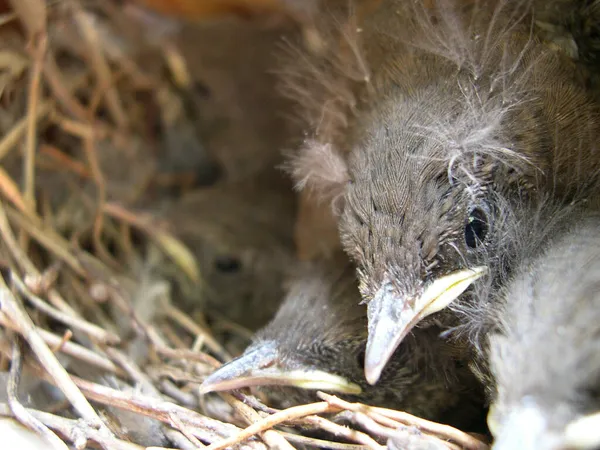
(108, 278)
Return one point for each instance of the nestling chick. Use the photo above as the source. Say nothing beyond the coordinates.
(462, 114)
(317, 341)
(545, 358)
(240, 233)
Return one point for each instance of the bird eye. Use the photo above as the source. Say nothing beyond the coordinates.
(476, 228)
(228, 264)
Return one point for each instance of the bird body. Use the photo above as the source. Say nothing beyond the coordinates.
(463, 113)
(545, 355)
(317, 341)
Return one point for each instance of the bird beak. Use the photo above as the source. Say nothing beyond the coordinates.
(524, 426)
(261, 367)
(583, 433)
(391, 317)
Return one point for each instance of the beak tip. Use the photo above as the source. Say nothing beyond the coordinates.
(371, 378)
(373, 368)
(205, 388)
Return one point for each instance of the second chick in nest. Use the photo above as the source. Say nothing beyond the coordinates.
(317, 341)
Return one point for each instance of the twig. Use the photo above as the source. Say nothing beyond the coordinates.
(374, 428)
(172, 246)
(25, 263)
(76, 431)
(12, 138)
(97, 333)
(188, 324)
(122, 54)
(181, 428)
(42, 284)
(92, 159)
(319, 443)
(204, 428)
(271, 437)
(133, 371)
(58, 86)
(98, 61)
(154, 337)
(174, 339)
(345, 432)
(286, 415)
(121, 300)
(20, 413)
(443, 431)
(255, 403)
(32, 14)
(177, 65)
(144, 381)
(39, 51)
(12, 308)
(178, 439)
(69, 348)
(85, 301)
(143, 221)
(67, 335)
(7, 18)
(11, 191)
(51, 240)
(183, 398)
(82, 130)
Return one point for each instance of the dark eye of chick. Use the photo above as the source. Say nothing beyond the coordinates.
(228, 264)
(476, 228)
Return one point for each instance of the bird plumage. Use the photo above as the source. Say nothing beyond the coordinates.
(544, 355)
(320, 331)
(462, 114)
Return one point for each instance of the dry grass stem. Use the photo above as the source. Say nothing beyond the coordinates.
(99, 64)
(444, 432)
(202, 427)
(76, 431)
(17, 409)
(40, 45)
(14, 310)
(271, 437)
(344, 432)
(95, 332)
(16, 133)
(188, 324)
(320, 443)
(11, 191)
(33, 15)
(69, 348)
(286, 415)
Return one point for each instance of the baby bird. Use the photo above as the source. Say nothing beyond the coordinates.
(317, 341)
(461, 115)
(545, 356)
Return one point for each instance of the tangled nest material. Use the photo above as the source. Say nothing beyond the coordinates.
(83, 364)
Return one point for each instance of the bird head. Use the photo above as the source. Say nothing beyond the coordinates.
(316, 340)
(543, 353)
(423, 214)
(462, 117)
